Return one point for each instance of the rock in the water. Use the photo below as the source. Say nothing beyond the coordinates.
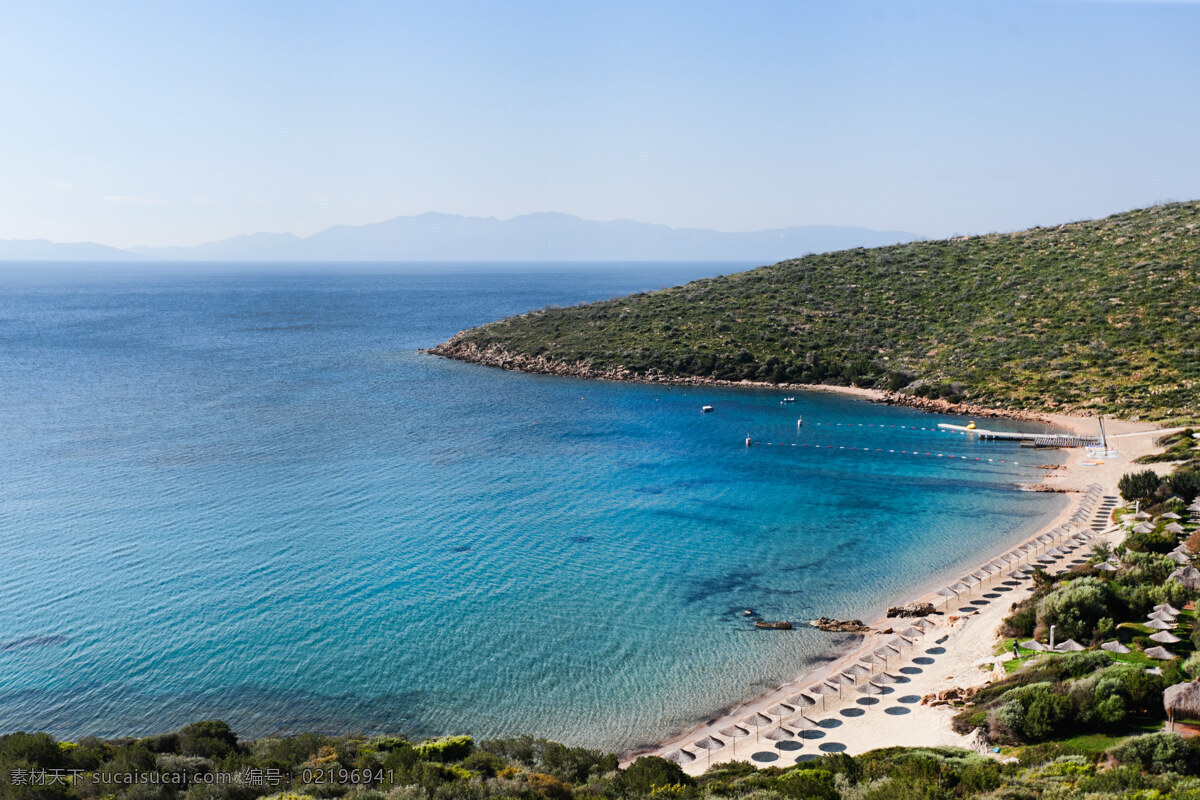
(911, 610)
(774, 626)
(840, 625)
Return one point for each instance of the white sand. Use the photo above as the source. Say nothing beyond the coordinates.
(957, 653)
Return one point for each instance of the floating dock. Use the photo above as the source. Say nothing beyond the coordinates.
(1026, 439)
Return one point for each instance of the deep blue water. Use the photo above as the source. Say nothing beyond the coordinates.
(252, 498)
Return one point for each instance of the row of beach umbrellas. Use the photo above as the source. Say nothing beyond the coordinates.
(786, 719)
(1044, 548)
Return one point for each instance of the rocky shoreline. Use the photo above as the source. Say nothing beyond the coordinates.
(500, 358)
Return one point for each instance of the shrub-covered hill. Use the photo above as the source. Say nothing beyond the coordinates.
(1099, 315)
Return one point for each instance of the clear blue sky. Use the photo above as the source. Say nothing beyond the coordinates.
(175, 123)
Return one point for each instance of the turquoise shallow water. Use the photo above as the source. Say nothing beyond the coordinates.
(251, 497)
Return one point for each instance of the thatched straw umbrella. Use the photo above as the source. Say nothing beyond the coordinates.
(858, 670)
(1106, 566)
(1187, 577)
(680, 757)
(1159, 653)
(841, 679)
(1165, 637)
(1143, 527)
(822, 690)
(734, 732)
(1171, 515)
(1114, 647)
(757, 720)
(1167, 607)
(1160, 625)
(886, 652)
(884, 679)
(1035, 645)
(870, 659)
(1182, 698)
(781, 710)
(1179, 558)
(1164, 615)
(870, 689)
(924, 624)
(708, 744)
(780, 734)
(801, 701)
(1174, 527)
(803, 724)
(1139, 515)
(1069, 646)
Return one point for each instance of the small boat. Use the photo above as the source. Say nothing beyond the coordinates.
(799, 421)
(705, 409)
(788, 400)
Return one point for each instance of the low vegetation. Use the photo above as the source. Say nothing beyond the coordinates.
(1102, 316)
(207, 761)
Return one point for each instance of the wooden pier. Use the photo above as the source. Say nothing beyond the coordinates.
(1026, 439)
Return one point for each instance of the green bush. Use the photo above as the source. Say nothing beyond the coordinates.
(1022, 621)
(1158, 752)
(446, 750)
(1139, 486)
(1076, 609)
(647, 772)
(808, 784)
(35, 749)
(208, 739)
(1185, 483)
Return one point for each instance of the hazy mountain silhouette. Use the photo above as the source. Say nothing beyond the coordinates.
(449, 237)
(45, 250)
(532, 237)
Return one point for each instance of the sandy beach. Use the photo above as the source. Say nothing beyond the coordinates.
(955, 653)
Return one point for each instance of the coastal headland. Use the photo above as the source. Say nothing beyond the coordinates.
(1091, 317)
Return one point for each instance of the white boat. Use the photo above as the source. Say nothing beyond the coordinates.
(788, 400)
(705, 409)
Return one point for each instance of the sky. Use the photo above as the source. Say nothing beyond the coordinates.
(151, 123)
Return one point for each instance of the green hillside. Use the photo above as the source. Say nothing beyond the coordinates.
(1098, 315)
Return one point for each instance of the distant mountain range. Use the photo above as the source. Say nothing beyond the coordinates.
(449, 237)
(46, 250)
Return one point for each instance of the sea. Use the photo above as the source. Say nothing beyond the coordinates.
(249, 495)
